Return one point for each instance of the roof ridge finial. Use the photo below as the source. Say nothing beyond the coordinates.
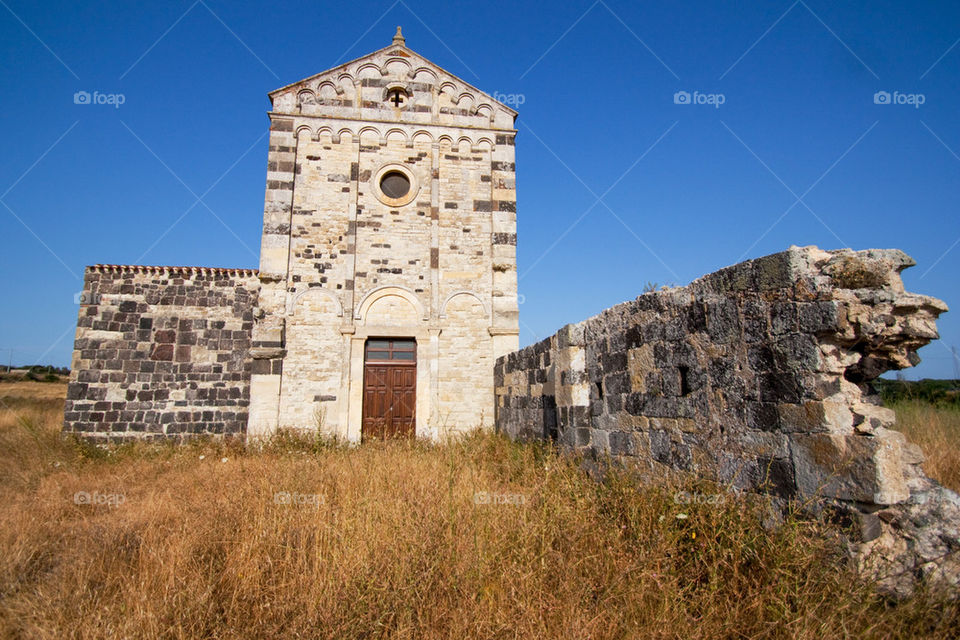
(399, 39)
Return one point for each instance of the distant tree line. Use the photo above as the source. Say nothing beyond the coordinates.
(943, 392)
(41, 372)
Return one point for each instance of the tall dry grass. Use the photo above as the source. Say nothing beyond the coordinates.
(937, 430)
(388, 540)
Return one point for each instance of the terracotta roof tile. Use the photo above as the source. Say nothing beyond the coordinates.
(138, 268)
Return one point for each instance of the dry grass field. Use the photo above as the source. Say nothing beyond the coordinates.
(479, 538)
(937, 431)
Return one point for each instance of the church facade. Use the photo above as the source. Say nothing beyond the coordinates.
(387, 284)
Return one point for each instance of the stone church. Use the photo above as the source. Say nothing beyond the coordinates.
(386, 305)
(387, 285)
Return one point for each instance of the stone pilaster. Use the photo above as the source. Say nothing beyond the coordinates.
(268, 331)
(503, 198)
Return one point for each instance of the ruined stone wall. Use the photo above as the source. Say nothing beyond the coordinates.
(161, 352)
(757, 377)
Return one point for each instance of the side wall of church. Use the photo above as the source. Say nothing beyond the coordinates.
(161, 353)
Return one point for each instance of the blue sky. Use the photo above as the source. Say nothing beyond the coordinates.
(621, 179)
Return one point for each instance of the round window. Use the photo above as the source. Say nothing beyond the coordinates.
(394, 184)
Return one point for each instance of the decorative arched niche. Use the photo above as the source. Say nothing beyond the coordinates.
(389, 305)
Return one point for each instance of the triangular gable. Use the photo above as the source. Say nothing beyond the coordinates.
(367, 82)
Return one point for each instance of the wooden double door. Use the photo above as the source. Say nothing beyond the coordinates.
(389, 388)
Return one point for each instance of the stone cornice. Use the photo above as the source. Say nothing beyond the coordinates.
(394, 123)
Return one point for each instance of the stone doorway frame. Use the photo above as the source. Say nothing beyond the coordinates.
(351, 404)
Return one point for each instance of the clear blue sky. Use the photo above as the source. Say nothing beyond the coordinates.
(618, 184)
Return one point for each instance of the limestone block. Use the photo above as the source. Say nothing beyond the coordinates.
(860, 468)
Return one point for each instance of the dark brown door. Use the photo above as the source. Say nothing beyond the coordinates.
(389, 388)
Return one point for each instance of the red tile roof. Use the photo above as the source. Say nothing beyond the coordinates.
(139, 268)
